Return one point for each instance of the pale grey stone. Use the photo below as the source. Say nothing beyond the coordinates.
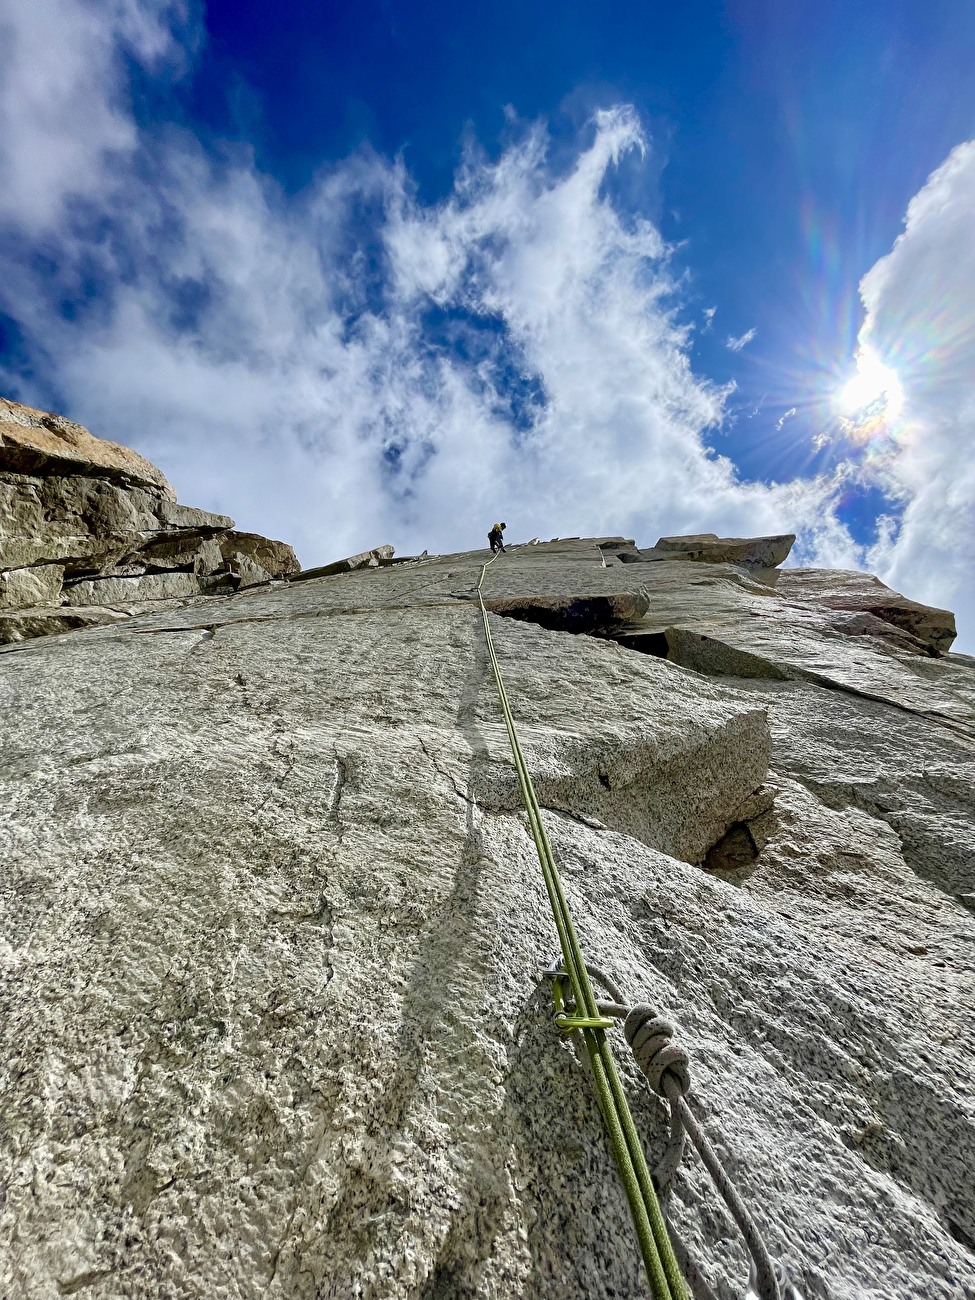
(89, 522)
(718, 619)
(363, 560)
(181, 550)
(173, 515)
(270, 994)
(71, 519)
(73, 506)
(276, 559)
(842, 589)
(148, 586)
(36, 586)
(766, 552)
(245, 571)
(24, 624)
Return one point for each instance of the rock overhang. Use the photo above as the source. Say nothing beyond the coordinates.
(36, 442)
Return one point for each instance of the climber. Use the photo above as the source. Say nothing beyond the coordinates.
(495, 540)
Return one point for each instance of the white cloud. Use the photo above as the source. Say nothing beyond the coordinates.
(63, 96)
(742, 341)
(786, 415)
(709, 313)
(340, 379)
(919, 319)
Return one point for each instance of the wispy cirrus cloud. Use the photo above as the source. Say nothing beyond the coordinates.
(331, 376)
(64, 95)
(742, 341)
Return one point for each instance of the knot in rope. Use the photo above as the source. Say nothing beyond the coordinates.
(650, 1039)
(666, 1069)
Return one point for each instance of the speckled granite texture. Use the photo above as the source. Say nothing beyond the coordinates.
(271, 1015)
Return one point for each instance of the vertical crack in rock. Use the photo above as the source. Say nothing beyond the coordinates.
(335, 797)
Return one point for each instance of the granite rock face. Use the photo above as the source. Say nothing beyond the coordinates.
(864, 604)
(379, 555)
(88, 523)
(272, 1018)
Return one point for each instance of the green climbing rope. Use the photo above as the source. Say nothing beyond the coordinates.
(661, 1265)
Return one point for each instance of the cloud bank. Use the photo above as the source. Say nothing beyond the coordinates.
(919, 305)
(348, 366)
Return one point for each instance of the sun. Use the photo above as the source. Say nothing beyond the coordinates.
(873, 391)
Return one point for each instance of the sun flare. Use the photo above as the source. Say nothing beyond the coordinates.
(874, 390)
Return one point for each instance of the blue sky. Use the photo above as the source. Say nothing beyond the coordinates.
(378, 272)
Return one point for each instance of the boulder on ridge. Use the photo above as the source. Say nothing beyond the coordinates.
(379, 555)
(764, 552)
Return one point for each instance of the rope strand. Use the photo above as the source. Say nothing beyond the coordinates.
(665, 1067)
(663, 1271)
